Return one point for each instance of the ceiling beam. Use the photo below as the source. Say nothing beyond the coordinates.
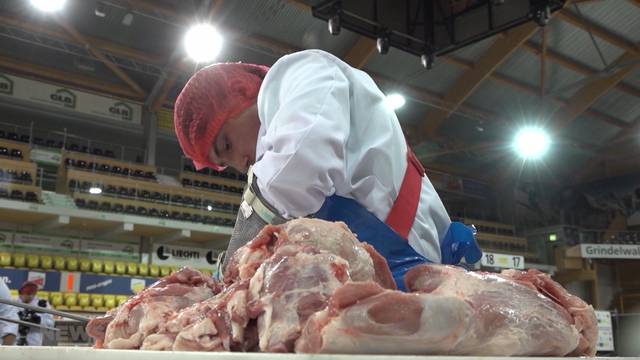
(470, 80)
(300, 4)
(500, 78)
(599, 31)
(604, 152)
(590, 93)
(167, 85)
(102, 45)
(80, 81)
(98, 54)
(360, 53)
(543, 61)
(575, 66)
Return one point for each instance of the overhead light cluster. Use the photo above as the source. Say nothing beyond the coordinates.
(202, 42)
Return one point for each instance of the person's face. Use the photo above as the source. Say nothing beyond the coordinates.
(26, 298)
(235, 144)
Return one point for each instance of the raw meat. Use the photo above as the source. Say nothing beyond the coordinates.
(364, 318)
(246, 260)
(128, 325)
(294, 283)
(334, 237)
(451, 312)
(216, 324)
(583, 315)
(309, 285)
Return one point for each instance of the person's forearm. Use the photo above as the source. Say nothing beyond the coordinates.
(9, 339)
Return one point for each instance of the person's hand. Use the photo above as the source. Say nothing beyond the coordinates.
(8, 340)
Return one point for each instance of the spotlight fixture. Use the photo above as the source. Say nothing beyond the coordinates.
(426, 61)
(100, 10)
(334, 25)
(127, 19)
(382, 44)
(531, 143)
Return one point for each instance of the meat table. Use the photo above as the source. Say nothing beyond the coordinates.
(83, 353)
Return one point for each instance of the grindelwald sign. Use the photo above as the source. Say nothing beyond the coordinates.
(610, 251)
(54, 96)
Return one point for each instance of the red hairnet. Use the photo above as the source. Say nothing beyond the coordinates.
(212, 96)
(28, 288)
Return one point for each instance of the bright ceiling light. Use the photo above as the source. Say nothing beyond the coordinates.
(209, 207)
(48, 5)
(95, 190)
(394, 101)
(531, 143)
(203, 43)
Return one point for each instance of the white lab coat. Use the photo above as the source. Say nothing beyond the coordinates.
(325, 130)
(34, 337)
(7, 311)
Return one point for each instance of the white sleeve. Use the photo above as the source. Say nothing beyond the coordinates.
(8, 328)
(47, 319)
(305, 141)
(8, 312)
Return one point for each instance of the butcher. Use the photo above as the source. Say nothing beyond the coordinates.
(317, 140)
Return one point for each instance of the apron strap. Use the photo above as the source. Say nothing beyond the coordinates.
(403, 211)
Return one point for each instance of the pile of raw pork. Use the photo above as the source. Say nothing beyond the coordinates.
(310, 286)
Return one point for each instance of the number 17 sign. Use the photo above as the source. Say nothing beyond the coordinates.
(503, 260)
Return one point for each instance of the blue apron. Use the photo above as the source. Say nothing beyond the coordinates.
(459, 241)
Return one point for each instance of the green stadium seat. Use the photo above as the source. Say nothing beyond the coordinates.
(165, 270)
(19, 260)
(56, 299)
(43, 295)
(59, 263)
(70, 299)
(5, 259)
(96, 265)
(84, 300)
(33, 261)
(110, 301)
(72, 263)
(97, 300)
(121, 268)
(132, 268)
(143, 269)
(154, 270)
(108, 267)
(46, 262)
(84, 265)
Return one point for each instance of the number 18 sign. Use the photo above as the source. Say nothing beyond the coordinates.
(503, 260)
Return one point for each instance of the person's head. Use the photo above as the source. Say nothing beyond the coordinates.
(216, 116)
(27, 291)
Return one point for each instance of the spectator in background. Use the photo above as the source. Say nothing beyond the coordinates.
(32, 336)
(8, 331)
